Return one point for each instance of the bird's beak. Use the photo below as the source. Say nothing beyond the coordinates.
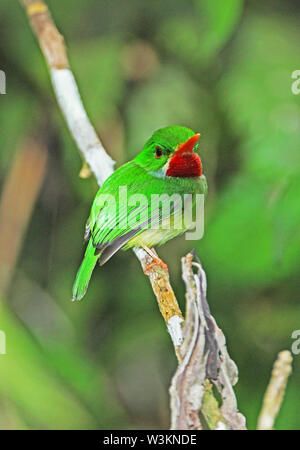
(189, 145)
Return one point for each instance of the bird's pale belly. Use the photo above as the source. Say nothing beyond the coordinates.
(168, 229)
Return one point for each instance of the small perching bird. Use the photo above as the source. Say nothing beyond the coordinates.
(124, 214)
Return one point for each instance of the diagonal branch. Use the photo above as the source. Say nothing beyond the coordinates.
(90, 146)
(275, 391)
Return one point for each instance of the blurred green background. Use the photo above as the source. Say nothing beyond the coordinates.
(221, 68)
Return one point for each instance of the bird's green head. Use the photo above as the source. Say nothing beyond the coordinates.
(171, 152)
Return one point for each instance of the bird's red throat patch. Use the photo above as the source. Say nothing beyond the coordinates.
(184, 163)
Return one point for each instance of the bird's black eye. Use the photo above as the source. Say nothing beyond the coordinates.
(158, 152)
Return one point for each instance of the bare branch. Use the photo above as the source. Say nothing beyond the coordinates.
(89, 144)
(275, 391)
(205, 360)
(65, 88)
(166, 299)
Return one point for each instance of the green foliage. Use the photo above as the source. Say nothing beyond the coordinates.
(156, 104)
(220, 20)
(259, 208)
(221, 69)
(197, 37)
(94, 62)
(26, 379)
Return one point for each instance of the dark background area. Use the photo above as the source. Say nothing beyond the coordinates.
(223, 69)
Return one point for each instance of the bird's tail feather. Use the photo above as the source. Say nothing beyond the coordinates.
(84, 272)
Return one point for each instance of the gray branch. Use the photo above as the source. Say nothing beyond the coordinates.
(205, 360)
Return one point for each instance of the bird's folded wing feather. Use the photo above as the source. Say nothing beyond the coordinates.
(114, 225)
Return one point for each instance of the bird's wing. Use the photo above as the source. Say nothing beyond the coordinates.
(110, 247)
(112, 226)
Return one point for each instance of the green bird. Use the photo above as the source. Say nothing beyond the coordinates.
(167, 165)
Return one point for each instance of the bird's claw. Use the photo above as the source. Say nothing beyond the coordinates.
(156, 263)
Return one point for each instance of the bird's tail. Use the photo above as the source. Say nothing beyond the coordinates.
(84, 273)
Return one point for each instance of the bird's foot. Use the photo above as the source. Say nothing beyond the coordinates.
(157, 262)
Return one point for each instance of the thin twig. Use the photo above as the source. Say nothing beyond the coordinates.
(275, 391)
(89, 144)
